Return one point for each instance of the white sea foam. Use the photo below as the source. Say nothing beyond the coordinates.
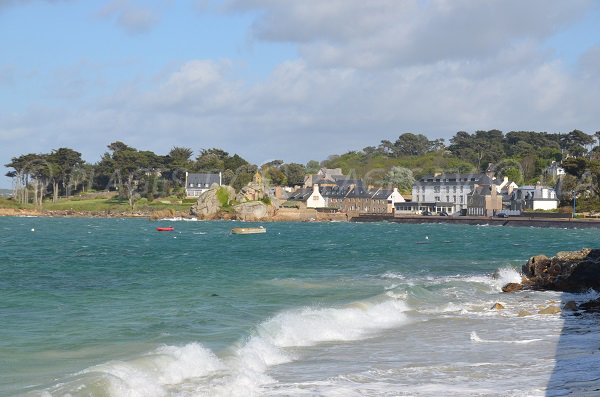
(499, 279)
(193, 370)
(310, 326)
(475, 338)
(393, 276)
(149, 375)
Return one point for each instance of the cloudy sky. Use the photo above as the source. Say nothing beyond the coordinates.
(287, 79)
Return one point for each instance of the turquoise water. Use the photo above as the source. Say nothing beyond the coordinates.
(110, 307)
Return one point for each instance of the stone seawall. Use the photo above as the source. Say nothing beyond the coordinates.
(472, 220)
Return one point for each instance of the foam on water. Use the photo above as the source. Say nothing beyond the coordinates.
(475, 338)
(193, 370)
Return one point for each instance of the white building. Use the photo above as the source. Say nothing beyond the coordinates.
(554, 170)
(196, 184)
(536, 197)
(447, 190)
(315, 200)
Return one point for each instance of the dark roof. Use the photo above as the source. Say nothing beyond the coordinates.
(455, 179)
(203, 179)
(301, 194)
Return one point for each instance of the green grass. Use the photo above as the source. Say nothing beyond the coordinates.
(101, 205)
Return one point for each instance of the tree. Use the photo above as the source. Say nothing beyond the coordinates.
(273, 173)
(65, 162)
(131, 165)
(409, 144)
(294, 173)
(575, 166)
(243, 176)
(312, 167)
(575, 142)
(400, 177)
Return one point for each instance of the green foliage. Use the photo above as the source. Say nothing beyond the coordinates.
(266, 200)
(400, 177)
(223, 197)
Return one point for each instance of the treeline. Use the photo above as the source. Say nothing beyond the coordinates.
(522, 156)
(134, 173)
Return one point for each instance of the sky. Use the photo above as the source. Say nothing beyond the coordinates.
(286, 79)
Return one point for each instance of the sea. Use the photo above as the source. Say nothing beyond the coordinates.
(114, 308)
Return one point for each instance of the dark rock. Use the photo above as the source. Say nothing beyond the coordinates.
(570, 305)
(591, 306)
(576, 271)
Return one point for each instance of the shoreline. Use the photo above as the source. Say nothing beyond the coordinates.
(514, 221)
(300, 216)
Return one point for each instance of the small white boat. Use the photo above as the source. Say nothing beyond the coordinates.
(248, 230)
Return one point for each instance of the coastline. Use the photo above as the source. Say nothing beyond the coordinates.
(288, 215)
(515, 221)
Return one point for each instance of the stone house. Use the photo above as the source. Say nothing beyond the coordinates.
(484, 200)
(348, 196)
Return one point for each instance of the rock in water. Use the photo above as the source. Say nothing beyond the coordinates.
(209, 203)
(251, 211)
(576, 271)
(512, 287)
(550, 310)
(497, 306)
(592, 306)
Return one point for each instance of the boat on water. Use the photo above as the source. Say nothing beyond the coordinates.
(165, 229)
(248, 230)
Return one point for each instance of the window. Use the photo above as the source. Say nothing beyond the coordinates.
(454, 199)
(462, 199)
(447, 189)
(454, 189)
(436, 189)
(437, 198)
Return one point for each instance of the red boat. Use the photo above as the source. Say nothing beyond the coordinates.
(165, 229)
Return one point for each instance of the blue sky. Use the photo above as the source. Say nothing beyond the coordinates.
(282, 79)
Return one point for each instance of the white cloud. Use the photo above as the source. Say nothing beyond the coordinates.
(368, 71)
(132, 18)
(389, 33)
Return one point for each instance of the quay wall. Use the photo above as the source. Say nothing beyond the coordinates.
(476, 220)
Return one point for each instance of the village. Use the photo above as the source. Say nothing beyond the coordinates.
(331, 192)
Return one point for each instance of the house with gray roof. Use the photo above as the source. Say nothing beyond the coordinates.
(536, 197)
(348, 195)
(449, 191)
(196, 184)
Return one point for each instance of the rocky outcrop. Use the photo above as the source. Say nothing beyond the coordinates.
(252, 211)
(576, 271)
(251, 192)
(211, 202)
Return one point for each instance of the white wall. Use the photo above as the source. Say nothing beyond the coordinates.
(315, 200)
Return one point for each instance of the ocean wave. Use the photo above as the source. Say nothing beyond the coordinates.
(194, 370)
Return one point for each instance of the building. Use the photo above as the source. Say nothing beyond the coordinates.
(348, 195)
(554, 170)
(449, 191)
(315, 200)
(484, 200)
(196, 184)
(536, 197)
(325, 176)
